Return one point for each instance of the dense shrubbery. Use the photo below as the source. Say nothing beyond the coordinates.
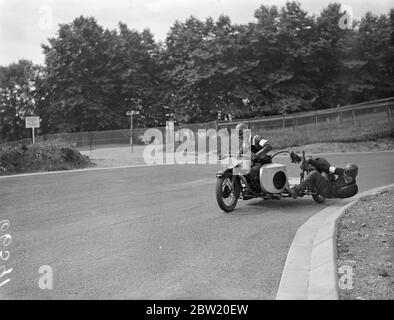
(285, 60)
(42, 156)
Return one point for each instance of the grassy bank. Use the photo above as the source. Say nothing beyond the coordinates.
(368, 128)
(384, 144)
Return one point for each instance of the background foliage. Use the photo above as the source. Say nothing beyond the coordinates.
(285, 61)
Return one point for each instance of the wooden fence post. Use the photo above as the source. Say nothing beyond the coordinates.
(316, 119)
(388, 114)
(354, 118)
(340, 115)
(91, 141)
(283, 121)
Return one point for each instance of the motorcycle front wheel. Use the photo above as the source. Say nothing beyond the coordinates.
(226, 196)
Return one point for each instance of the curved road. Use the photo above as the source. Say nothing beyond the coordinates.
(153, 233)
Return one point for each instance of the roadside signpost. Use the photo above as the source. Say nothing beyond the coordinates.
(32, 122)
(130, 114)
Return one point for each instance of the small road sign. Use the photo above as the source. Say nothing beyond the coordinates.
(131, 113)
(32, 122)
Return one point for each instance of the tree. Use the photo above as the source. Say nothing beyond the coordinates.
(285, 61)
(282, 43)
(18, 98)
(94, 75)
(376, 48)
(205, 64)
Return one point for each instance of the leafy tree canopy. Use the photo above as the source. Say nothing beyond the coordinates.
(283, 61)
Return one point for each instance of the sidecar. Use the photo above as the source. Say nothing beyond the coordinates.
(273, 178)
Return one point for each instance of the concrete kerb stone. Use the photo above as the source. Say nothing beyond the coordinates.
(310, 270)
(295, 277)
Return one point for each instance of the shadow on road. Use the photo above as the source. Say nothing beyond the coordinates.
(293, 206)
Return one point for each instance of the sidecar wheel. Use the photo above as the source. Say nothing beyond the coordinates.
(226, 197)
(319, 198)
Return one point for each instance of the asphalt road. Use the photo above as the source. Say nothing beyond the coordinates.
(153, 233)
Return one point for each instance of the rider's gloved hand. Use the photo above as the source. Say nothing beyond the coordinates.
(294, 157)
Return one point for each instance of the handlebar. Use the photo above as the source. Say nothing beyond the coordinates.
(295, 158)
(224, 156)
(279, 152)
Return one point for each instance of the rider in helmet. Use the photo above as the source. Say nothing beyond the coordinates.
(329, 181)
(259, 149)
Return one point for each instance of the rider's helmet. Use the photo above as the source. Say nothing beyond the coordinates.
(351, 170)
(240, 129)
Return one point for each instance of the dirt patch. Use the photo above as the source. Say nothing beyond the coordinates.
(365, 247)
(41, 157)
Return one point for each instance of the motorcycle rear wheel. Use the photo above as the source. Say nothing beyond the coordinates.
(226, 196)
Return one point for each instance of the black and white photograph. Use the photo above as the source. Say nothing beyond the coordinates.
(197, 156)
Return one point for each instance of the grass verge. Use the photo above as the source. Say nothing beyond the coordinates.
(331, 132)
(384, 144)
